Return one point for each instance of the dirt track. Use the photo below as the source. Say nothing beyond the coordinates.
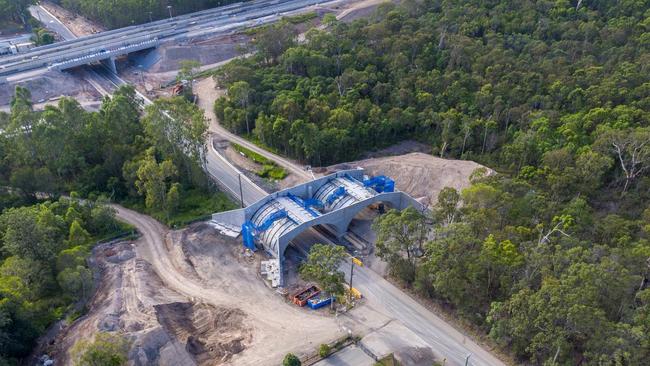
(189, 297)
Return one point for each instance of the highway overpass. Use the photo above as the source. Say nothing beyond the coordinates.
(119, 42)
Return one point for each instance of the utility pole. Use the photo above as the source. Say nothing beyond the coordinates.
(241, 192)
(359, 263)
(351, 274)
(169, 7)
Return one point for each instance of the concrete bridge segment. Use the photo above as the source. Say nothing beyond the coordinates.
(295, 217)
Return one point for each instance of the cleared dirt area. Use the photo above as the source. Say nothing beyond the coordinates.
(50, 87)
(193, 297)
(421, 175)
(79, 25)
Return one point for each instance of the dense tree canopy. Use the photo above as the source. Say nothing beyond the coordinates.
(113, 152)
(43, 271)
(551, 256)
(15, 10)
(501, 81)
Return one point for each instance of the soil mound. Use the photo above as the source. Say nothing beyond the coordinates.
(421, 175)
(211, 334)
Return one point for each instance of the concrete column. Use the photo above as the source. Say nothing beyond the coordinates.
(110, 62)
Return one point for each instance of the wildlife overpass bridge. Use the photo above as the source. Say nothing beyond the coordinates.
(332, 201)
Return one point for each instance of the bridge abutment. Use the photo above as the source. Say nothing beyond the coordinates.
(110, 63)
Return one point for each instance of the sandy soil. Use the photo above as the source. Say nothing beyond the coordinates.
(193, 297)
(207, 93)
(50, 87)
(421, 175)
(78, 24)
(359, 9)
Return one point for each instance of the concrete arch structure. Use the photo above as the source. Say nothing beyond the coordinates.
(340, 219)
(281, 216)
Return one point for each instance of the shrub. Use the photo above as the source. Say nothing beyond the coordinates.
(291, 360)
(324, 350)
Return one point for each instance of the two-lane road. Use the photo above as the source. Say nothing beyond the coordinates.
(380, 294)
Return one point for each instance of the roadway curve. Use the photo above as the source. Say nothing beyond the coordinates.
(380, 294)
(285, 163)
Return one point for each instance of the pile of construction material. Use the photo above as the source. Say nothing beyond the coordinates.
(271, 269)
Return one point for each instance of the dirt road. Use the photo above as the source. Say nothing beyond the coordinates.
(276, 327)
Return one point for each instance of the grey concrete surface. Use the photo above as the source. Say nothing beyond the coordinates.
(125, 40)
(349, 356)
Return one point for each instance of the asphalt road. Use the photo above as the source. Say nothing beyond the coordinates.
(101, 45)
(380, 294)
(51, 22)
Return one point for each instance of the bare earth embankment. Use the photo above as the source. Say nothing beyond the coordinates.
(421, 175)
(192, 297)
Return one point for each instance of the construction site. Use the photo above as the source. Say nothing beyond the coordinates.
(228, 290)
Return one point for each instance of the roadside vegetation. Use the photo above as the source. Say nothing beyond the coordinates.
(121, 13)
(14, 11)
(151, 163)
(549, 257)
(43, 270)
(322, 266)
(270, 169)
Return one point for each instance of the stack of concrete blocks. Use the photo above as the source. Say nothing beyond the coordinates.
(271, 269)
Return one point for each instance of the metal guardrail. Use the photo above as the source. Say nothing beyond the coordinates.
(104, 54)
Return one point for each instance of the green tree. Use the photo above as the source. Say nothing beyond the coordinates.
(274, 40)
(153, 180)
(107, 349)
(178, 130)
(322, 266)
(76, 281)
(78, 235)
(401, 234)
(448, 200)
(24, 235)
(291, 360)
(240, 91)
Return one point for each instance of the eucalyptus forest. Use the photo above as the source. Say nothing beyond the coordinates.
(549, 257)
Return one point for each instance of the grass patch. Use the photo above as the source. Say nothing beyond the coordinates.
(301, 18)
(195, 205)
(388, 361)
(270, 170)
(296, 19)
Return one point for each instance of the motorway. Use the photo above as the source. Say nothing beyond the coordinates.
(212, 21)
(380, 294)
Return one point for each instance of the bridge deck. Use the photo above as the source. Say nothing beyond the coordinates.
(275, 238)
